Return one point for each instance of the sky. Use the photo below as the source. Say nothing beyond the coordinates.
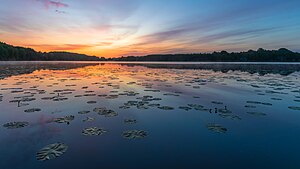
(114, 28)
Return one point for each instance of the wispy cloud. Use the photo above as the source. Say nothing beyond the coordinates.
(67, 47)
(56, 4)
(63, 47)
(137, 27)
(240, 33)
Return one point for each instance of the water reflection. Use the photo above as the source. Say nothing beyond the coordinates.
(166, 116)
(17, 68)
(261, 68)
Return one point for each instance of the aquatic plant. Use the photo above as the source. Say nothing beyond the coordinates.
(294, 108)
(51, 151)
(83, 112)
(134, 134)
(88, 119)
(130, 121)
(257, 102)
(166, 108)
(66, 119)
(216, 102)
(14, 125)
(105, 112)
(91, 102)
(93, 131)
(186, 108)
(216, 128)
(257, 113)
(32, 110)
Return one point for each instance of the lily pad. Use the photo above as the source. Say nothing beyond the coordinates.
(229, 116)
(51, 151)
(216, 128)
(93, 131)
(66, 119)
(105, 112)
(88, 119)
(294, 107)
(124, 107)
(14, 125)
(196, 106)
(250, 106)
(32, 110)
(134, 134)
(130, 121)
(186, 108)
(58, 99)
(257, 113)
(216, 102)
(153, 105)
(83, 112)
(166, 108)
(276, 98)
(256, 102)
(224, 111)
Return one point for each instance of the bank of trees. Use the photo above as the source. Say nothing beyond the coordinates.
(261, 55)
(13, 53)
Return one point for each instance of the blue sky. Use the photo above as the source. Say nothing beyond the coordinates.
(114, 28)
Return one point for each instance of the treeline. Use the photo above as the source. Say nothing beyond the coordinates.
(71, 57)
(14, 53)
(261, 55)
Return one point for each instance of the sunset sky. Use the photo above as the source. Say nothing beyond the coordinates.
(113, 28)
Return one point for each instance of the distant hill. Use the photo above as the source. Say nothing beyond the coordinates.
(15, 53)
(261, 55)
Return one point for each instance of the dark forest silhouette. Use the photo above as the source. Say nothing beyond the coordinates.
(13, 53)
(261, 55)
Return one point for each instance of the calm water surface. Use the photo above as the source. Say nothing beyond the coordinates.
(194, 116)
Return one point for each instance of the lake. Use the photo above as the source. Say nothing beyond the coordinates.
(149, 115)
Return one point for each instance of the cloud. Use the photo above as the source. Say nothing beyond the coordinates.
(232, 34)
(56, 4)
(104, 43)
(160, 36)
(67, 47)
(63, 47)
(231, 22)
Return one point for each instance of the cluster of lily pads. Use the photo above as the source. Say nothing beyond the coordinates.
(152, 82)
(105, 112)
(14, 125)
(252, 105)
(143, 102)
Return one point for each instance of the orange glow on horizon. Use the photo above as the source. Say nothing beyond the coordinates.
(112, 45)
(116, 51)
